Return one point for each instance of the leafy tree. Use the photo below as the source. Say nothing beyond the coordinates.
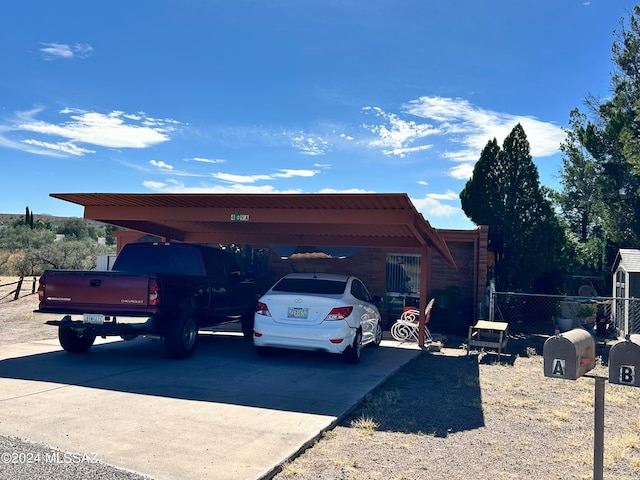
(67, 254)
(108, 230)
(524, 233)
(28, 252)
(603, 207)
(74, 228)
(580, 201)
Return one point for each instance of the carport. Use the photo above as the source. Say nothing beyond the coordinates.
(331, 220)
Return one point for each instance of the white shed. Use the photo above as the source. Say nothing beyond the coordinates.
(626, 285)
(626, 273)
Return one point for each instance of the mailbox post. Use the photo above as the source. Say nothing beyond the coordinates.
(569, 356)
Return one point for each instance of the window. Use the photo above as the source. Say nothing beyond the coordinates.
(403, 273)
(359, 291)
(310, 285)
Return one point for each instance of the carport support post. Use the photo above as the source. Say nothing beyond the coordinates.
(425, 265)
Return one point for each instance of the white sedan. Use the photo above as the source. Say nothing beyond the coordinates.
(317, 311)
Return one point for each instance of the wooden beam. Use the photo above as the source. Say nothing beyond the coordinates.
(251, 215)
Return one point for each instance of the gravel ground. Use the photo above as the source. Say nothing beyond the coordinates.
(19, 458)
(445, 415)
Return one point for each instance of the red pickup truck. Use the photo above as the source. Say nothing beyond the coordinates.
(159, 290)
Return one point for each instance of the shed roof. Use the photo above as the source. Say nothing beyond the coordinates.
(348, 220)
(628, 259)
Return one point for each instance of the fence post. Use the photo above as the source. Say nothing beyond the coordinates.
(492, 293)
(33, 286)
(18, 288)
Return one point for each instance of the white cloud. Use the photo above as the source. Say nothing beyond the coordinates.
(204, 160)
(448, 195)
(233, 178)
(432, 205)
(395, 138)
(473, 127)
(112, 130)
(156, 186)
(459, 129)
(283, 173)
(67, 148)
(54, 51)
(177, 187)
(462, 171)
(294, 173)
(309, 145)
(161, 165)
(348, 190)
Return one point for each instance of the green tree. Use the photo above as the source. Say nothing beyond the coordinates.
(580, 200)
(24, 251)
(605, 203)
(28, 218)
(74, 228)
(526, 236)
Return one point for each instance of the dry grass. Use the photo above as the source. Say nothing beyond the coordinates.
(469, 417)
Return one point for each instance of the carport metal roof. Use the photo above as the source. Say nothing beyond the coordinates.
(365, 220)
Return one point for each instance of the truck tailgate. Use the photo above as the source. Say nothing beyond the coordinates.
(82, 290)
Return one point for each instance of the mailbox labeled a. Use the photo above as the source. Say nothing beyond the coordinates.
(569, 355)
(624, 362)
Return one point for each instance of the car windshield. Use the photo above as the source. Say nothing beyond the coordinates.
(310, 285)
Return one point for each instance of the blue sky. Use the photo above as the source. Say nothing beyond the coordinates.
(251, 96)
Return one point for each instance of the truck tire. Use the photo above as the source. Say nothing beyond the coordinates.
(247, 324)
(73, 341)
(180, 341)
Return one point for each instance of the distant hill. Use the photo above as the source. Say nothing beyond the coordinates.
(52, 219)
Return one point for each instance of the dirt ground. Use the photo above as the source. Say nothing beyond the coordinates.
(16, 316)
(449, 415)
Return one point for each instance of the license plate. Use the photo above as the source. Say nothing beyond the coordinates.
(93, 318)
(297, 312)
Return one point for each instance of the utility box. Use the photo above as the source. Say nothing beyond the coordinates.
(569, 355)
(624, 362)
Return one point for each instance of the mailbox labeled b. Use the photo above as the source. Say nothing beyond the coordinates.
(569, 355)
(624, 362)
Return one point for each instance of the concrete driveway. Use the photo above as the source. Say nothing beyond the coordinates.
(223, 414)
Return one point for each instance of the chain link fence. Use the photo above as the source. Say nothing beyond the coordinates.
(531, 314)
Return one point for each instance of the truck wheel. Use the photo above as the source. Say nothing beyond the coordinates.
(247, 324)
(180, 341)
(73, 341)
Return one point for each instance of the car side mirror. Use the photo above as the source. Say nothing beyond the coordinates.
(376, 299)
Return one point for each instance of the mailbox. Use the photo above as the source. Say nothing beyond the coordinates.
(624, 362)
(569, 355)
